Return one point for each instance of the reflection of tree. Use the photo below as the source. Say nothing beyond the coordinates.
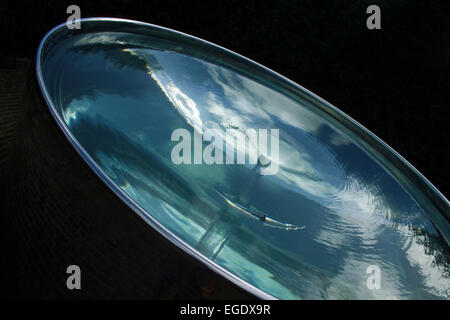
(434, 246)
(121, 55)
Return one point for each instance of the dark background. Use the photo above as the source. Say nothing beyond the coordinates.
(394, 81)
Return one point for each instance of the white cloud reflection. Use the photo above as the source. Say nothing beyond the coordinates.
(358, 211)
(361, 210)
(73, 110)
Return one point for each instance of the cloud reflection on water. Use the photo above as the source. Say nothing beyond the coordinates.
(355, 212)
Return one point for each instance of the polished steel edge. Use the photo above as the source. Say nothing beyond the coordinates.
(121, 194)
(152, 221)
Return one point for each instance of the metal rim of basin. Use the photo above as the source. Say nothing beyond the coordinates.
(408, 175)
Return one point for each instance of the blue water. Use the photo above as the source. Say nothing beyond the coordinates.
(122, 96)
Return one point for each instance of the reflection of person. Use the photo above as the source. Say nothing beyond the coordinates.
(226, 223)
(260, 217)
(263, 162)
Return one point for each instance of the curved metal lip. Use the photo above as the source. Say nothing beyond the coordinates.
(143, 213)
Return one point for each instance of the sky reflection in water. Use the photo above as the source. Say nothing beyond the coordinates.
(122, 97)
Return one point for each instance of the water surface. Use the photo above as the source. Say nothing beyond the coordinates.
(122, 95)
